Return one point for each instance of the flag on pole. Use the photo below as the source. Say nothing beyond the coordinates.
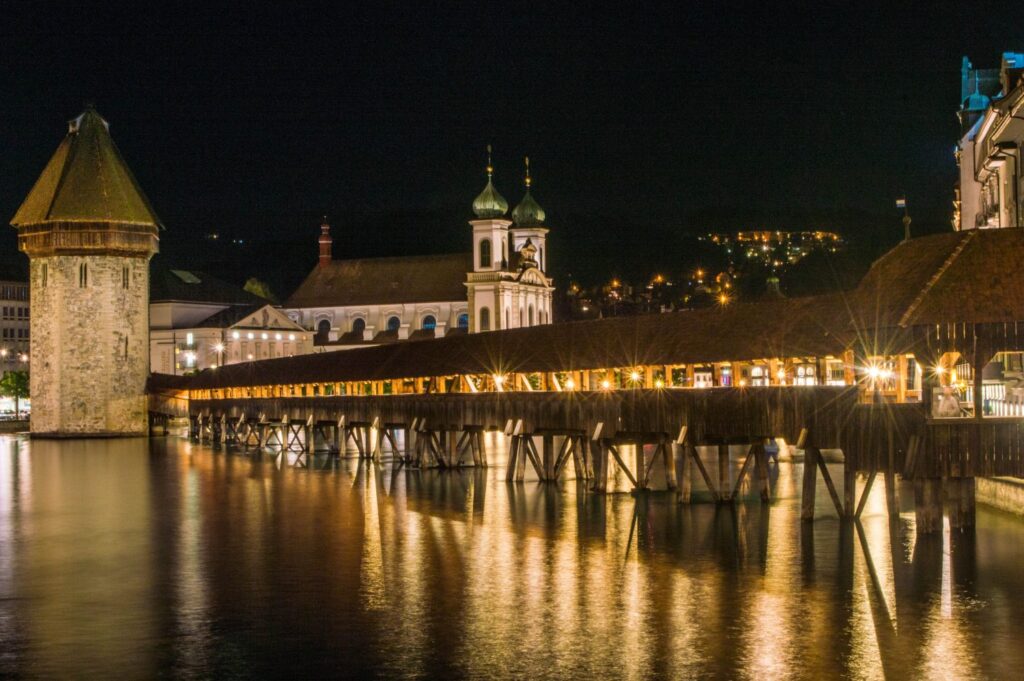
(901, 203)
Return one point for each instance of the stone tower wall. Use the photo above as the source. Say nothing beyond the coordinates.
(89, 344)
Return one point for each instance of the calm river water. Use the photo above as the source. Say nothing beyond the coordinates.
(160, 558)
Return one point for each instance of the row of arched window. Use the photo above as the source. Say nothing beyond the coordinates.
(487, 257)
(394, 322)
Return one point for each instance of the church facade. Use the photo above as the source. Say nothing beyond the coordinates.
(501, 284)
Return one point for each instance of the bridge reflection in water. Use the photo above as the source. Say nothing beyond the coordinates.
(192, 559)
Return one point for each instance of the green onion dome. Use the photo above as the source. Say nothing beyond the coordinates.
(490, 204)
(528, 213)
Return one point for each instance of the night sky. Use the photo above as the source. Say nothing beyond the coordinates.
(642, 125)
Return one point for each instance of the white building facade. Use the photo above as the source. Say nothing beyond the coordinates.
(200, 322)
(990, 190)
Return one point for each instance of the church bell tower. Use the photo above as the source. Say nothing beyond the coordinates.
(89, 233)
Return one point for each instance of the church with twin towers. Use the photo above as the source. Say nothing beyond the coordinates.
(501, 284)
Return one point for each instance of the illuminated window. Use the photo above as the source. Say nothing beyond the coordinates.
(394, 323)
(429, 322)
(463, 321)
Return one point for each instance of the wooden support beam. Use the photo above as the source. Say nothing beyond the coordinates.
(761, 460)
(829, 484)
(704, 474)
(810, 482)
(743, 472)
(618, 458)
(723, 472)
(849, 488)
(668, 458)
(960, 501)
(928, 504)
(865, 494)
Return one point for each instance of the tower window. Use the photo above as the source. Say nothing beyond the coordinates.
(463, 321)
(359, 325)
(485, 253)
(429, 322)
(485, 319)
(530, 315)
(126, 346)
(124, 277)
(83, 275)
(44, 274)
(394, 323)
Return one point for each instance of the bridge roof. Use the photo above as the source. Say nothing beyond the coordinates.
(972, 278)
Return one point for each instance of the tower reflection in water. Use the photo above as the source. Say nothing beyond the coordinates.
(163, 555)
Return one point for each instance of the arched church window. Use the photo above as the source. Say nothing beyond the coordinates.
(485, 253)
(359, 325)
(429, 322)
(530, 313)
(323, 330)
(508, 318)
(394, 323)
(485, 319)
(463, 321)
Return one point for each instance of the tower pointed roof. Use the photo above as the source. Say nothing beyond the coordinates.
(489, 204)
(528, 213)
(86, 180)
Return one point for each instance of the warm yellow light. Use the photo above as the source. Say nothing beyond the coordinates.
(874, 372)
(263, 336)
(499, 380)
(780, 374)
(634, 376)
(659, 383)
(743, 382)
(234, 334)
(606, 384)
(249, 355)
(219, 347)
(291, 336)
(570, 384)
(939, 370)
(723, 299)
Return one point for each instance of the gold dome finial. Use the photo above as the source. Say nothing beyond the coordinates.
(527, 172)
(490, 166)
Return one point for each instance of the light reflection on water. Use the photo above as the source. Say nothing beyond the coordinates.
(147, 558)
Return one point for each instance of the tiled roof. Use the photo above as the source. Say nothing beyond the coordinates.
(86, 180)
(189, 286)
(385, 281)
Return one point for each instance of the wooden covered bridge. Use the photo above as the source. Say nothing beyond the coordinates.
(917, 372)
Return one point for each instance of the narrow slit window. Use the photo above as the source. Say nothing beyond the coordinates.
(83, 275)
(124, 277)
(126, 346)
(43, 274)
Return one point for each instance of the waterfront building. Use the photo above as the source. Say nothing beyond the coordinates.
(198, 321)
(501, 284)
(988, 154)
(89, 233)
(14, 323)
